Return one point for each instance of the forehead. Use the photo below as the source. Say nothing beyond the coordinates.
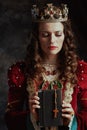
(51, 26)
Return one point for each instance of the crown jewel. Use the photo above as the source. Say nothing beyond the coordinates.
(50, 13)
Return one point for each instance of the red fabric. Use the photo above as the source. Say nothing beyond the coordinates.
(82, 74)
(15, 116)
(74, 99)
(82, 96)
(82, 120)
(16, 76)
(16, 120)
(17, 82)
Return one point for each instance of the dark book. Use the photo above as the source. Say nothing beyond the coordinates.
(50, 113)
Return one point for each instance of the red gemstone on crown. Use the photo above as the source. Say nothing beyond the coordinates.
(51, 12)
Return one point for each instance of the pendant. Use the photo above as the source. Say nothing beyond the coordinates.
(55, 111)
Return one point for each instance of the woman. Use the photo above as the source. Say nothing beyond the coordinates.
(51, 56)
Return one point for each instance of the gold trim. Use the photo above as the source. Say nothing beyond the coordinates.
(9, 103)
(83, 98)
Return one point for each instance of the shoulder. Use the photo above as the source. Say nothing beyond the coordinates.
(16, 74)
(82, 74)
(82, 65)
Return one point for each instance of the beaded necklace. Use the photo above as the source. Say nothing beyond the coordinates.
(51, 73)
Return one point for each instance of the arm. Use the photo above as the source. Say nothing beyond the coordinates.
(15, 114)
(82, 96)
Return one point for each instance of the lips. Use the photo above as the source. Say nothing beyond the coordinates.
(53, 47)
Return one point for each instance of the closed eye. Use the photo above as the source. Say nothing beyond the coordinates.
(58, 34)
(45, 34)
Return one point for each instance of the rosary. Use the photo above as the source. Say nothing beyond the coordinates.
(55, 105)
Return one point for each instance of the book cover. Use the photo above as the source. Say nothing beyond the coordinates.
(50, 108)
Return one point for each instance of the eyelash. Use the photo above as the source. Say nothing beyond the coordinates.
(47, 35)
(58, 35)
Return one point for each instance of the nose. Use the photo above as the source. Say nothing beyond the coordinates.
(52, 38)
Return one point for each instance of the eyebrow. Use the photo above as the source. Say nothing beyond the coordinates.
(54, 31)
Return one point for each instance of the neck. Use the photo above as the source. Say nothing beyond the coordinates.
(52, 60)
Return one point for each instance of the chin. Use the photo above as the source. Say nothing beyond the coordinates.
(54, 52)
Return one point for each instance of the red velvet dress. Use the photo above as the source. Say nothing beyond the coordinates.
(82, 96)
(17, 108)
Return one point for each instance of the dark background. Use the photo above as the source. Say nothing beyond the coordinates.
(15, 27)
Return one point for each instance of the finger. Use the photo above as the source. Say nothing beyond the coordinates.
(67, 116)
(36, 97)
(67, 110)
(66, 105)
(33, 101)
(35, 106)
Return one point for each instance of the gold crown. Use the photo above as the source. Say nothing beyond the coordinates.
(50, 13)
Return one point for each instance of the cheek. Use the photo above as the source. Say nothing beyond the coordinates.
(60, 41)
(44, 46)
(43, 42)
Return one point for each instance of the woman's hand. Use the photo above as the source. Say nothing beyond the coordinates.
(67, 112)
(34, 104)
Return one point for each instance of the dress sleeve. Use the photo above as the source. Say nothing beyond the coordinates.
(15, 114)
(82, 96)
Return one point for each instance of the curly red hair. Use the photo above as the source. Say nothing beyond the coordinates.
(67, 56)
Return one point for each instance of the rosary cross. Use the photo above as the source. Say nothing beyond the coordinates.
(56, 109)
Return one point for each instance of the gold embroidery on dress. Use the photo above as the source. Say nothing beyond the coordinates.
(83, 98)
